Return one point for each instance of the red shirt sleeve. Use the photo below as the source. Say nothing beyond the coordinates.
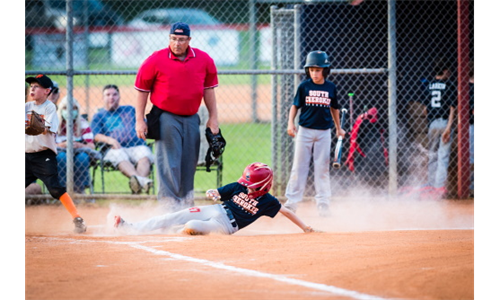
(211, 80)
(146, 74)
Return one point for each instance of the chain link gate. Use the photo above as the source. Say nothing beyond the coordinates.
(111, 38)
(285, 30)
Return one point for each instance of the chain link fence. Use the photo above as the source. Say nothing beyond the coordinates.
(259, 48)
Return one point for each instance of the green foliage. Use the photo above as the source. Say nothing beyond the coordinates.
(243, 140)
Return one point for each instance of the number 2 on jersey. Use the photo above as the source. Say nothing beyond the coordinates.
(436, 99)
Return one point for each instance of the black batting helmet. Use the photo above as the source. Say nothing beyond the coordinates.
(317, 59)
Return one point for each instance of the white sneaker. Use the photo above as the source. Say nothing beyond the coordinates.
(146, 183)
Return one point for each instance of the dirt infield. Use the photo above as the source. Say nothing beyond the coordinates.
(371, 249)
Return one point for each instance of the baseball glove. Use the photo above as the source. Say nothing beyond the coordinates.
(216, 144)
(36, 124)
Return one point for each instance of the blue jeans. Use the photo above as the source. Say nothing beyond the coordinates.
(81, 170)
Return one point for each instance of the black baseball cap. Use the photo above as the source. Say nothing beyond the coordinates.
(42, 80)
(180, 28)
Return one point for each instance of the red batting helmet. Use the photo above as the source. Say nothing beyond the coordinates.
(258, 176)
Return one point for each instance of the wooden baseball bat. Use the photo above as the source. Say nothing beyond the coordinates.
(338, 146)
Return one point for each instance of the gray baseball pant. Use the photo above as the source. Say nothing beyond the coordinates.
(315, 143)
(201, 219)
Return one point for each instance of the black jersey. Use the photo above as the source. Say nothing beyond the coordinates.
(441, 94)
(244, 209)
(314, 102)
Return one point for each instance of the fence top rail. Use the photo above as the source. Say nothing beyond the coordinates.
(220, 72)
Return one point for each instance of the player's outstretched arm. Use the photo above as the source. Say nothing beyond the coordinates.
(295, 219)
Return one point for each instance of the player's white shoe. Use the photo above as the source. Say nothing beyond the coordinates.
(118, 221)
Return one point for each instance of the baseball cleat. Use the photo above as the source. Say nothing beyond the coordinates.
(118, 221)
(80, 226)
(190, 231)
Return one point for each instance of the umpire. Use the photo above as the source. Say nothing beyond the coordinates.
(176, 79)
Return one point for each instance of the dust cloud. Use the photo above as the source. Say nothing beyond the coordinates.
(373, 210)
(365, 208)
(349, 213)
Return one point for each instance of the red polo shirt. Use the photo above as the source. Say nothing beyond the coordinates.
(177, 86)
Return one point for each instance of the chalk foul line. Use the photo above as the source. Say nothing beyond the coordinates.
(247, 272)
(253, 273)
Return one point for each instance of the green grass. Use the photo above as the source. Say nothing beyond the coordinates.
(246, 143)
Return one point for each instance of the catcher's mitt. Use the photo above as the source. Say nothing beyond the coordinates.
(216, 144)
(36, 124)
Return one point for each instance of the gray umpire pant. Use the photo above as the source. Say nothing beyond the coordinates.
(176, 158)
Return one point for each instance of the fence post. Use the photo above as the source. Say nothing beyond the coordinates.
(274, 100)
(463, 99)
(393, 126)
(69, 81)
(253, 60)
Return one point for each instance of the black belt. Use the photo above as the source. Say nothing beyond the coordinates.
(230, 215)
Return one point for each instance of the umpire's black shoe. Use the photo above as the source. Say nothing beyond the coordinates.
(80, 226)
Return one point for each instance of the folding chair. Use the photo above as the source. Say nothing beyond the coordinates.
(106, 166)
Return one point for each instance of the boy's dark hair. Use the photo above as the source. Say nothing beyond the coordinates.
(110, 86)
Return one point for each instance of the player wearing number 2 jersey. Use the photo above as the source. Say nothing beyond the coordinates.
(440, 101)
